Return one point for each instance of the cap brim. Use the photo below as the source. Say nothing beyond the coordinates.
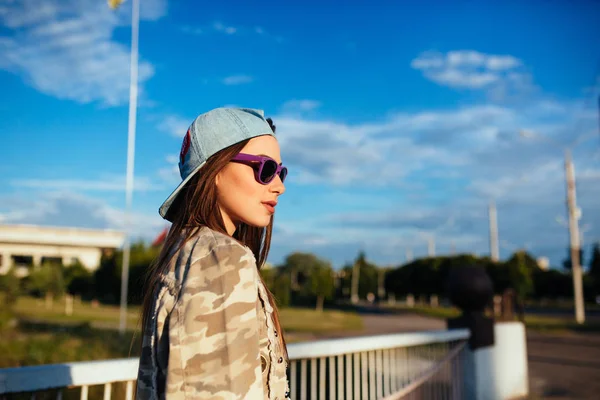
(165, 210)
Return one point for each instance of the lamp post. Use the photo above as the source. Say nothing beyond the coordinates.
(133, 92)
(574, 214)
(493, 218)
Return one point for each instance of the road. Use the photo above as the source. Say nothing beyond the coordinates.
(561, 367)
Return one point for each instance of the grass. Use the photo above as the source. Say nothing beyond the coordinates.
(101, 316)
(538, 323)
(559, 325)
(304, 320)
(45, 336)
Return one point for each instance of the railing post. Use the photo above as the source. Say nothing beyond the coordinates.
(495, 363)
(470, 289)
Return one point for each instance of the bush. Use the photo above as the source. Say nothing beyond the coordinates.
(47, 280)
(79, 280)
(10, 289)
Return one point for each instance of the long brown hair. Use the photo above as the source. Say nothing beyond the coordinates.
(196, 207)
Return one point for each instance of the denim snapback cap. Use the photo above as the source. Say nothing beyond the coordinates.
(209, 133)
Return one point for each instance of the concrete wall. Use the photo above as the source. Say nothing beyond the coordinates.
(66, 244)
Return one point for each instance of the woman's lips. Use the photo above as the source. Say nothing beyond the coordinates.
(270, 206)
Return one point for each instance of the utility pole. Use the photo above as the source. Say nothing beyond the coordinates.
(409, 254)
(452, 247)
(355, 276)
(573, 213)
(494, 250)
(431, 246)
(380, 284)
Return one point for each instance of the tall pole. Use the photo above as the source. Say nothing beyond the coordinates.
(381, 284)
(355, 277)
(431, 246)
(409, 254)
(494, 249)
(133, 91)
(574, 238)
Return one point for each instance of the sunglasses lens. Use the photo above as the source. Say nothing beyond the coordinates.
(268, 171)
(283, 174)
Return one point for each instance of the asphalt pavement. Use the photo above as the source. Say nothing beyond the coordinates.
(561, 367)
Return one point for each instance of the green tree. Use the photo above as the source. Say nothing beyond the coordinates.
(78, 280)
(321, 283)
(107, 278)
(107, 281)
(594, 268)
(10, 288)
(47, 281)
(368, 275)
(278, 283)
(567, 264)
(520, 271)
(552, 284)
(307, 281)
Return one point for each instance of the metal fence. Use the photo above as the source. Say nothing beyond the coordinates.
(420, 365)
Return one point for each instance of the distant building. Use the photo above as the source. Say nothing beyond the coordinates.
(28, 246)
(543, 263)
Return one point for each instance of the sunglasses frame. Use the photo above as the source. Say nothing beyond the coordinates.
(252, 161)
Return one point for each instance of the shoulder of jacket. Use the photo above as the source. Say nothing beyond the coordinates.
(198, 246)
(207, 240)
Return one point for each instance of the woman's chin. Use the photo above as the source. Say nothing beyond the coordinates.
(262, 222)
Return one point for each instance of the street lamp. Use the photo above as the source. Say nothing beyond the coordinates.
(133, 94)
(574, 214)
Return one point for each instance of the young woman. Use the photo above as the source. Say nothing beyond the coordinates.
(210, 325)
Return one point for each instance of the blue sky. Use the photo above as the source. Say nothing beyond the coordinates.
(399, 121)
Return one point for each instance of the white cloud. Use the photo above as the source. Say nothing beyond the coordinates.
(175, 125)
(66, 48)
(502, 75)
(237, 80)
(110, 184)
(461, 157)
(220, 27)
(170, 173)
(192, 30)
(388, 151)
(294, 106)
(474, 59)
(66, 208)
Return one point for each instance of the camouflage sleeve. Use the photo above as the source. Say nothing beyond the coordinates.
(213, 331)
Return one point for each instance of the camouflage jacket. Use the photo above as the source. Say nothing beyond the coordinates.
(211, 335)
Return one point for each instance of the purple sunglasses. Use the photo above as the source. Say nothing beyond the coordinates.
(265, 168)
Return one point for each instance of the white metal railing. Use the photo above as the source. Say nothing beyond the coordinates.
(398, 366)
